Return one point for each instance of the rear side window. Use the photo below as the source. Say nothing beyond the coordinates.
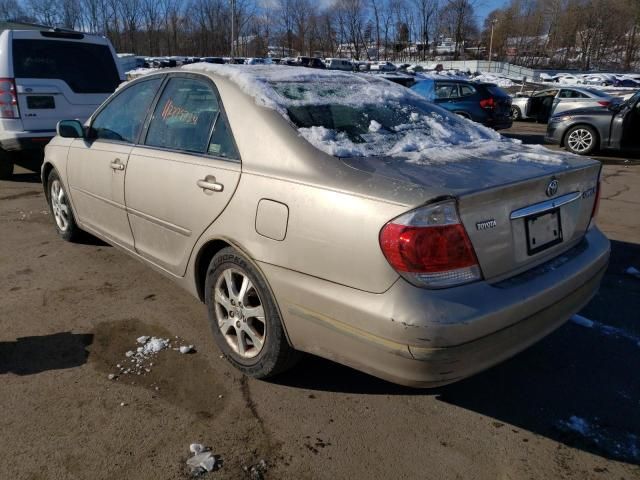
(122, 118)
(466, 90)
(183, 119)
(85, 67)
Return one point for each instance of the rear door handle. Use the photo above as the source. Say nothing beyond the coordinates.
(209, 183)
(117, 164)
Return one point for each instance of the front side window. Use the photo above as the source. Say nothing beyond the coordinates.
(446, 90)
(122, 118)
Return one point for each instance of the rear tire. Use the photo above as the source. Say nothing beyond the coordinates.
(6, 166)
(581, 140)
(60, 208)
(244, 318)
(516, 114)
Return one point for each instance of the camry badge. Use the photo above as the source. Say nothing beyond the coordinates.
(487, 224)
(552, 188)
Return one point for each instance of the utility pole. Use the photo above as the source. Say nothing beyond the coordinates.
(493, 24)
(233, 22)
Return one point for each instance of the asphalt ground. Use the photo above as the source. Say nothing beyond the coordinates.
(568, 407)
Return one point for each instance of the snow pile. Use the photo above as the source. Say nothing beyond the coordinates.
(141, 358)
(202, 460)
(139, 72)
(633, 271)
(617, 443)
(496, 79)
(605, 329)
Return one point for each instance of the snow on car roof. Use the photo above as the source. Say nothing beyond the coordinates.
(385, 119)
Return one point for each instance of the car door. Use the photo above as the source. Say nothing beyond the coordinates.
(96, 165)
(182, 176)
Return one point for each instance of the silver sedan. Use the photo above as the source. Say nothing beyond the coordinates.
(544, 103)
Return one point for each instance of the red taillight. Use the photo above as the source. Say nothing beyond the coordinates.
(488, 103)
(604, 103)
(8, 99)
(430, 247)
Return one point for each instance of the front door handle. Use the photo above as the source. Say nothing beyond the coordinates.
(209, 183)
(117, 165)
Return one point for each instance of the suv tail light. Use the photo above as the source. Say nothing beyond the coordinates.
(604, 103)
(488, 103)
(8, 99)
(430, 248)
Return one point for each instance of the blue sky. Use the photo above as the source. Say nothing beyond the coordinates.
(484, 7)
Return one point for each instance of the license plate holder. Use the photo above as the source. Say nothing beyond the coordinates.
(544, 230)
(40, 102)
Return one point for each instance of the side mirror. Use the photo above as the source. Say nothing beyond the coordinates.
(70, 129)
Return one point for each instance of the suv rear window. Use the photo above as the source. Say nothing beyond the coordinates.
(85, 67)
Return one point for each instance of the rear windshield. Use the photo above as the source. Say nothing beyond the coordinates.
(348, 119)
(497, 91)
(85, 67)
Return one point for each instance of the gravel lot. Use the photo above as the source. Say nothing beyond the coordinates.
(566, 408)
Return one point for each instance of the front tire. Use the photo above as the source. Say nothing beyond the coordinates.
(60, 208)
(581, 139)
(516, 114)
(244, 318)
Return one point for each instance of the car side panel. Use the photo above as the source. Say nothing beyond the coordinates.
(329, 234)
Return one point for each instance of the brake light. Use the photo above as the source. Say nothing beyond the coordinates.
(430, 248)
(488, 103)
(8, 99)
(604, 103)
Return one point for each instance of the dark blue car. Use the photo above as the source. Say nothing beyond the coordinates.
(484, 103)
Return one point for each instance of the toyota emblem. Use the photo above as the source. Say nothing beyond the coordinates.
(552, 188)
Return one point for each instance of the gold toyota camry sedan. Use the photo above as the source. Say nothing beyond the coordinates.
(334, 213)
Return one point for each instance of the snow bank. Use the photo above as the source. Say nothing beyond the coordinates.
(498, 80)
(139, 72)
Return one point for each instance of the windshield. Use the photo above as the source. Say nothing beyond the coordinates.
(351, 119)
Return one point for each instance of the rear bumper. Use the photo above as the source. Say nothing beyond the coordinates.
(499, 123)
(426, 338)
(15, 141)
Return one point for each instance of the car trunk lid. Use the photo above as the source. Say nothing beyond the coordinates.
(495, 189)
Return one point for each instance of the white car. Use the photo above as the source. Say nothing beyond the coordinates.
(383, 66)
(47, 76)
(339, 64)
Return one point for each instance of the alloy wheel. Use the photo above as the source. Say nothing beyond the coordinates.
(580, 140)
(240, 313)
(60, 206)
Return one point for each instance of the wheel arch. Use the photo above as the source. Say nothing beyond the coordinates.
(47, 168)
(201, 264)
